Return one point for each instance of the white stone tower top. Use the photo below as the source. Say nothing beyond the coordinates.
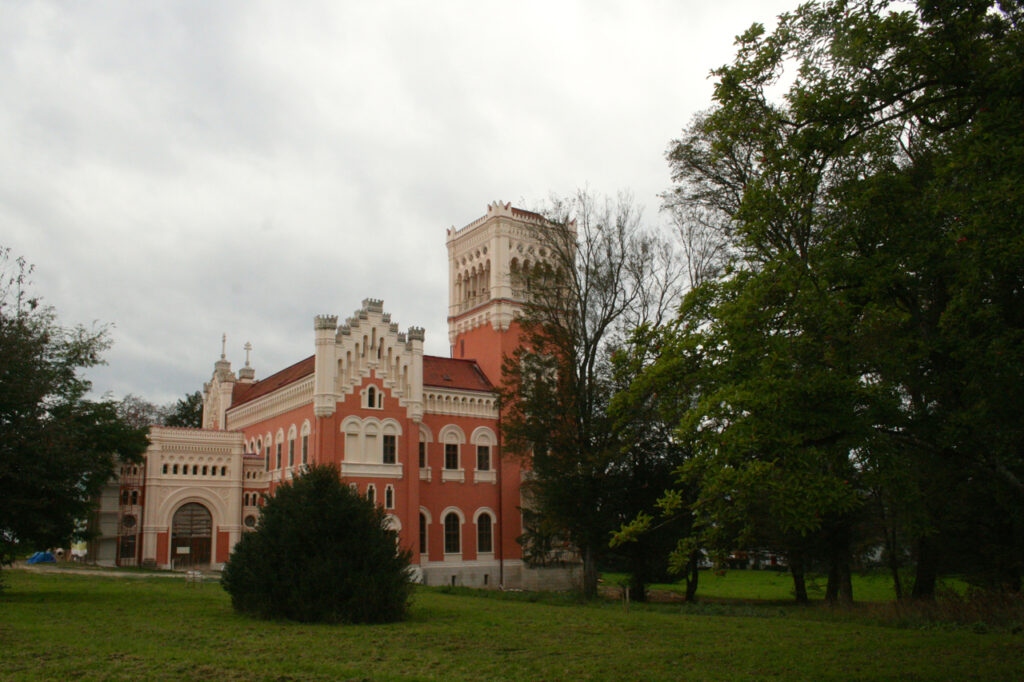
(482, 257)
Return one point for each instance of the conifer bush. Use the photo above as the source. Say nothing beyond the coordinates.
(321, 553)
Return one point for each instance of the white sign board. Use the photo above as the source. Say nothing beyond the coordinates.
(183, 550)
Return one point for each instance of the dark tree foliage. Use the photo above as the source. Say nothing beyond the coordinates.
(57, 449)
(187, 411)
(860, 363)
(321, 553)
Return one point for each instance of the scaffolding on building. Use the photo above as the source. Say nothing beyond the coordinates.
(131, 498)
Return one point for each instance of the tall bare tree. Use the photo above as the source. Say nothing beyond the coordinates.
(596, 275)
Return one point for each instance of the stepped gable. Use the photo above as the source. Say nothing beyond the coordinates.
(243, 393)
(454, 373)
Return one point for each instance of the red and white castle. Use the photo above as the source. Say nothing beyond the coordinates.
(418, 434)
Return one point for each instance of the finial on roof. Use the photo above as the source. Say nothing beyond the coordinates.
(248, 349)
(223, 346)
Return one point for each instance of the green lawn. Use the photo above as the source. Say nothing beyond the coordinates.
(84, 626)
(776, 585)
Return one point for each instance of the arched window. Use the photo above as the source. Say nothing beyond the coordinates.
(124, 497)
(135, 497)
(305, 442)
(423, 534)
(452, 544)
(452, 436)
(204, 470)
(175, 470)
(371, 397)
(389, 497)
(165, 469)
(191, 528)
(371, 493)
(484, 543)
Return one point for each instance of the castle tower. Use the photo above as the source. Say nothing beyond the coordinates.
(484, 292)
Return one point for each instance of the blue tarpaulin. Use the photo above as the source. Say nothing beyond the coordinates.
(41, 558)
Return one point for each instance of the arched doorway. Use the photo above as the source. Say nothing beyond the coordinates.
(191, 536)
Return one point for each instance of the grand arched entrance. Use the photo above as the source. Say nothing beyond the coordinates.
(191, 536)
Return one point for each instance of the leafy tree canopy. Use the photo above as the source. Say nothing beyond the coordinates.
(187, 411)
(863, 353)
(57, 449)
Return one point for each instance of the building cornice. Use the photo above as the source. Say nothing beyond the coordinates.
(284, 399)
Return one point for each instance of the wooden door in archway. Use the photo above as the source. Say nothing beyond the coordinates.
(191, 536)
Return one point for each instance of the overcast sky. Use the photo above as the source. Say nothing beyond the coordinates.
(183, 169)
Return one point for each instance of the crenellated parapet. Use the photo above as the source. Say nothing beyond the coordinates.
(325, 322)
(486, 262)
(367, 343)
(325, 398)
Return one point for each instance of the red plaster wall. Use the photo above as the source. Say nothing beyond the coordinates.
(284, 422)
(469, 496)
(163, 548)
(487, 346)
(223, 546)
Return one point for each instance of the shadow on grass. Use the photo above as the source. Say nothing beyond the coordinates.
(977, 611)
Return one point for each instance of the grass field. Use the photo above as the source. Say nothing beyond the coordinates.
(87, 626)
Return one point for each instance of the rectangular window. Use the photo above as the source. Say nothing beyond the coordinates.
(423, 455)
(389, 449)
(266, 463)
(483, 458)
(305, 449)
(291, 453)
(127, 547)
(278, 455)
(451, 456)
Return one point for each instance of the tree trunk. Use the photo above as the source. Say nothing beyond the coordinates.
(927, 571)
(832, 588)
(797, 568)
(840, 585)
(894, 564)
(589, 573)
(637, 588)
(892, 550)
(692, 573)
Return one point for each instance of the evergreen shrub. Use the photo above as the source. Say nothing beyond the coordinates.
(321, 553)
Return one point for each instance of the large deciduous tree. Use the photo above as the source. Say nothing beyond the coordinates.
(187, 411)
(595, 274)
(57, 449)
(865, 350)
